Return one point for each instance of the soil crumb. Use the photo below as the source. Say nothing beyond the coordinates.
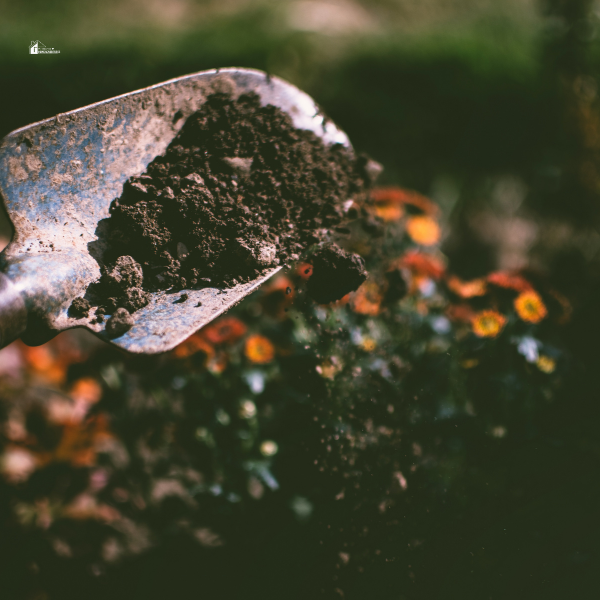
(79, 308)
(335, 274)
(121, 322)
(237, 191)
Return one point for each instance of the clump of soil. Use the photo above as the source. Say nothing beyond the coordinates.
(121, 284)
(121, 322)
(79, 308)
(238, 190)
(335, 274)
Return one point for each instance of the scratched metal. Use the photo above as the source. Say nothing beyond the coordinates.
(59, 176)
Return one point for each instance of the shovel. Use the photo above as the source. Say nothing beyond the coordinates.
(58, 178)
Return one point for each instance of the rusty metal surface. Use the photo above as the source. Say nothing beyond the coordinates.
(59, 176)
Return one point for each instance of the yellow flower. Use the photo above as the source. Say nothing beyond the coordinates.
(259, 349)
(469, 363)
(330, 367)
(423, 230)
(545, 364)
(488, 323)
(368, 344)
(529, 307)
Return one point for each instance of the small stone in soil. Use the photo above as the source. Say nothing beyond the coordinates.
(335, 274)
(125, 273)
(79, 308)
(120, 323)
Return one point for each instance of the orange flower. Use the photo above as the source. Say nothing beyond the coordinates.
(387, 207)
(228, 329)
(44, 363)
(467, 289)
(460, 312)
(280, 283)
(488, 323)
(423, 230)
(367, 299)
(259, 349)
(398, 196)
(421, 264)
(278, 296)
(195, 343)
(86, 390)
(509, 281)
(304, 270)
(389, 212)
(529, 307)
(78, 442)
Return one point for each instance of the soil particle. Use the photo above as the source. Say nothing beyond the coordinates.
(124, 274)
(79, 308)
(119, 287)
(120, 323)
(335, 274)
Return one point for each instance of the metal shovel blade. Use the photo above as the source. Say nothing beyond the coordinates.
(58, 178)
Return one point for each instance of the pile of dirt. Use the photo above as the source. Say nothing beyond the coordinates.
(238, 190)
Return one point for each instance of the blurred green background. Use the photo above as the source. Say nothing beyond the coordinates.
(490, 107)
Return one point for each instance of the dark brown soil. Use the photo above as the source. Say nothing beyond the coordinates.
(79, 308)
(335, 274)
(119, 323)
(239, 190)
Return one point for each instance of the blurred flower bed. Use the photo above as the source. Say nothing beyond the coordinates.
(328, 423)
